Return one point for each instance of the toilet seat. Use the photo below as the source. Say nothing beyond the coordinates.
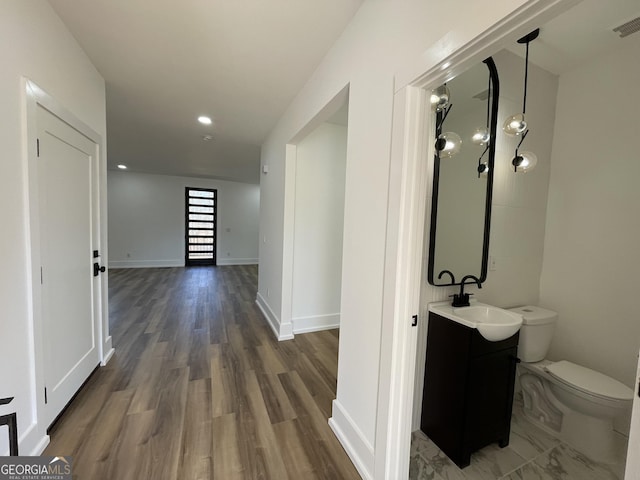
(589, 381)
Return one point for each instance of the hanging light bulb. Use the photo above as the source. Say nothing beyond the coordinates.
(515, 125)
(448, 144)
(440, 97)
(524, 161)
(481, 136)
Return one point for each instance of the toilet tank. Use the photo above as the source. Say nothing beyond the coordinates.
(536, 332)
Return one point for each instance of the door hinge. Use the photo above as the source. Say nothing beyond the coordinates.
(38, 146)
(41, 277)
(414, 320)
(45, 395)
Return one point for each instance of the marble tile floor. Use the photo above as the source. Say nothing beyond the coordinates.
(532, 454)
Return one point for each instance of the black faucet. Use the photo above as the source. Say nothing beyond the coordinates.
(448, 272)
(462, 299)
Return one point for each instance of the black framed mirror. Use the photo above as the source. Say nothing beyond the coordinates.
(463, 175)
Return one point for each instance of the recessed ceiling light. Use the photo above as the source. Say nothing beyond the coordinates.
(204, 120)
(122, 167)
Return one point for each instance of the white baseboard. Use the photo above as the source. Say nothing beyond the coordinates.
(282, 331)
(145, 263)
(237, 261)
(40, 446)
(107, 357)
(353, 441)
(315, 323)
(31, 443)
(176, 263)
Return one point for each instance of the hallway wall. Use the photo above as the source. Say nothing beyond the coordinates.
(383, 39)
(34, 44)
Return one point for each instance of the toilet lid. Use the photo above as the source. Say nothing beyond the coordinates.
(589, 380)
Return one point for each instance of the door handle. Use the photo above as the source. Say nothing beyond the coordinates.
(97, 269)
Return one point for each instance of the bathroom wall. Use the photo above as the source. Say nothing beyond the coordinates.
(520, 199)
(591, 254)
(319, 224)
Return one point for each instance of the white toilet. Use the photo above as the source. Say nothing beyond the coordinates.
(577, 404)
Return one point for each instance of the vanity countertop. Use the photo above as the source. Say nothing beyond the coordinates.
(493, 323)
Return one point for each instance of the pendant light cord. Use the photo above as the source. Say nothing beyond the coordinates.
(526, 78)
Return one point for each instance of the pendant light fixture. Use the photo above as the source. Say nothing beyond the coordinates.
(447, 143)
(516, 125)
(481, 136)
(440, 97)
(524, 161)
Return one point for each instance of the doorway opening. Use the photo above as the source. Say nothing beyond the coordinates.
(318, 226)
(200, 226)
(316, 163)
(433, 78)
(316, 171)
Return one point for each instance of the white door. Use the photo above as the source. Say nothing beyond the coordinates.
(67, 170)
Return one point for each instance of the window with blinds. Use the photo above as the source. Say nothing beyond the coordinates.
(200, 226)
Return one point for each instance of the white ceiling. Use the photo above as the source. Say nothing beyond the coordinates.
(165, 62)
(584, 31)
(580, 34)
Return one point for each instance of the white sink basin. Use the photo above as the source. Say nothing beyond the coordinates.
(493, 323)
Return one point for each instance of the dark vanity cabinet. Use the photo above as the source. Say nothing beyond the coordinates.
(468, 389)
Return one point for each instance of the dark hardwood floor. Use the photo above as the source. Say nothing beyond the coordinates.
(200, 389)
